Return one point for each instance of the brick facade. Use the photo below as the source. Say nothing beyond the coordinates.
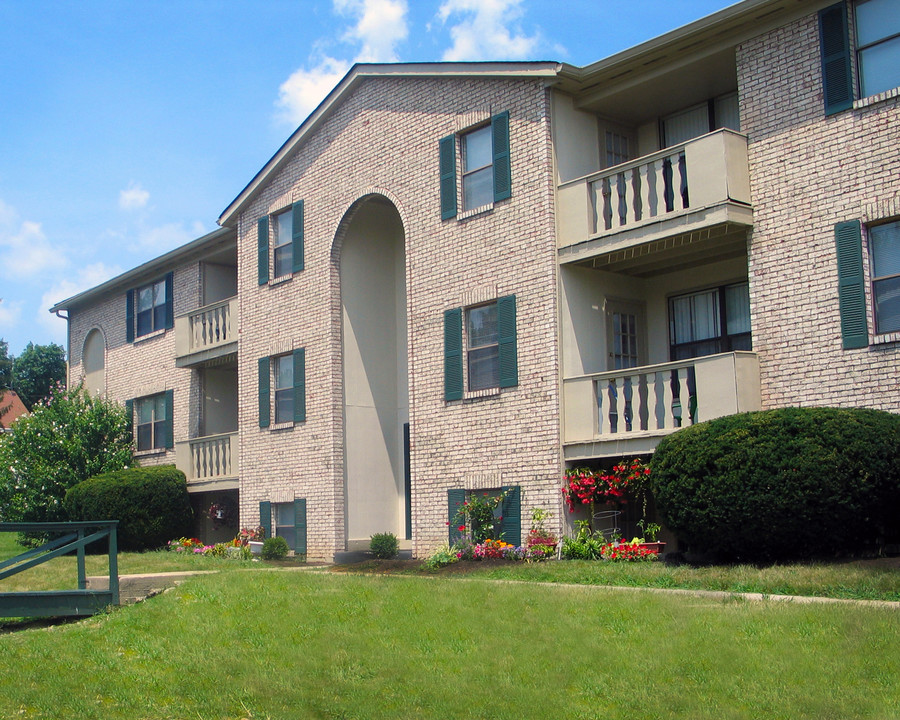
(808, 172)
(383, 140)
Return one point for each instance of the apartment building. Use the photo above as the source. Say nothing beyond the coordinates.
(462, 277)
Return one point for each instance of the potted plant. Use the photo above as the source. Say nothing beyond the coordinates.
(252, 538)
(649, 541)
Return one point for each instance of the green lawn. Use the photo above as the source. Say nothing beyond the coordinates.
(278, 645)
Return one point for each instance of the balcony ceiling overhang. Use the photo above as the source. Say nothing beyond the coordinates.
(672, 71)
(673, 253)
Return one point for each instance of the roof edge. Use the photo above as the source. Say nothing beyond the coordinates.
(361, 71)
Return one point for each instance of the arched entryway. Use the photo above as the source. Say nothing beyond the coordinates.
(376, 388)
(93, 362)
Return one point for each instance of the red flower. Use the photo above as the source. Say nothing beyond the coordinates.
(461, 528)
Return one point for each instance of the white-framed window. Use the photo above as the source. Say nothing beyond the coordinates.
(283, 366)
(478, 168)
(877, 45)
(710, 321)
(284, 523)
(884, 253)
(151, 428)
(151, 308)
(485, 157)
(283, 244)
(482, 347)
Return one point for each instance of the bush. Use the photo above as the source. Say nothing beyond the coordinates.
(384, 545)
(274, 548)
(151, 504)
(67, 439)
(782, 484)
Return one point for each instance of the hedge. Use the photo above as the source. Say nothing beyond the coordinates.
(793, 483)
(151, 504)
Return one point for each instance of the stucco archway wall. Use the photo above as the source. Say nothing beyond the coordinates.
(93, 362)
(372, 272)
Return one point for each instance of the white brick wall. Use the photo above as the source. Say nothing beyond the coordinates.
(384, 139)
(809, 172)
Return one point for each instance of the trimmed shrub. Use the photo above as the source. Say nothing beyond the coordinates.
(151, 504)
(384, 545)
(782, 484)
(274, 548)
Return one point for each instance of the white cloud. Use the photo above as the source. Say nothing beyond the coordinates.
(10, 312)
(380, 25)
(299, 95)
(82, 279)
(133, 198)
(486, 30)
(163, 238)
(24, 249)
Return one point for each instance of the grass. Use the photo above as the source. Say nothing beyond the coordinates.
(323, 645)
(848, 580)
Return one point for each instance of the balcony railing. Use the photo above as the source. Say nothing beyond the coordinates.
(208, 459)
(646, 403)
(699, 174)
(210, 328)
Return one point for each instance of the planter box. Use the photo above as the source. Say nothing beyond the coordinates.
(655, 547)
(255, 546)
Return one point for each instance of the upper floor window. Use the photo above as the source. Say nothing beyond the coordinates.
(289, 375)
(153, 429)
(884, 248)
(480, 353)
(709, 322)
(149, 308)
(284, 388)
(283, 251)
(715, 113)
(485, 167)
(878, 45)
(478, 168)
(877, 48)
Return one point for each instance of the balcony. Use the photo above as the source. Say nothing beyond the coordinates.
(209, 463)
(699, 190)
(206, 334)
(624, 412)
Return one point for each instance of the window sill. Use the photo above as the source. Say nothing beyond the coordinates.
(475, 394)
(875, 99)
(465, 215)
(279, 280)
(885, 338)
(276, 427)
(150, 453)
(149, 336)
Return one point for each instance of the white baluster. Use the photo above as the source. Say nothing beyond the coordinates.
(630, 216)
(645, 170)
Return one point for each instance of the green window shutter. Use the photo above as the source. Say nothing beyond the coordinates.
(506, 339)
(300, 526)
(264, 403)
(455, 499)
(502, 172)
(300, 385)
(453, 360)
(851, 285)
(265, 517)
(129, 316)
(297, 236)
(834, 43)
(511, 515)
(169, 427)
(262, 250)
(448, 177)
(129, 415)
(170, 301)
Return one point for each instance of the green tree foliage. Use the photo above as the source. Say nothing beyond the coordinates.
(38, 371)
(6, 365)
(782, 484)
(68, 438)
(151, 504)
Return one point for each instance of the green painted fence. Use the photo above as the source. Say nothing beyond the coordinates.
(57, 603)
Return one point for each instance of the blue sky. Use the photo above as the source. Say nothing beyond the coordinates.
(126, 127)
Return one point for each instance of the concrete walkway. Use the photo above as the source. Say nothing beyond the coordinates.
(134, 588)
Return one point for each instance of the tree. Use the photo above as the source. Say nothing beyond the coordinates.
(6, 365)
(68, 438)
(37, 371)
